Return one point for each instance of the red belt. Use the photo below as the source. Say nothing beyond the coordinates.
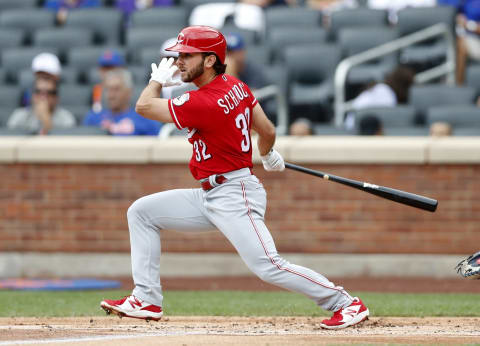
(219, 179)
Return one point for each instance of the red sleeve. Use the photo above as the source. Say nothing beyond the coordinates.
(187, 110)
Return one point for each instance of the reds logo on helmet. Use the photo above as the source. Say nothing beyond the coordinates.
(201, 39)
(180, 38)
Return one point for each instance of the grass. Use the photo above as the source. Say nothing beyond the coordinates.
(235, 303)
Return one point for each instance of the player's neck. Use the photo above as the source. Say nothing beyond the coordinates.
(205, 78)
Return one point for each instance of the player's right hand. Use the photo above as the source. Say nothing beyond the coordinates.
(163, 73)
(273, 161)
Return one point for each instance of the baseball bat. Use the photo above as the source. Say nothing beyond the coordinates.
(398, 196)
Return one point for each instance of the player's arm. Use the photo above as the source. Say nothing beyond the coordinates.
(151, 106)
(265, 129)
(271, 159)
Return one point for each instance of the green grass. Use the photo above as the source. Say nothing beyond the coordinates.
(235, 303)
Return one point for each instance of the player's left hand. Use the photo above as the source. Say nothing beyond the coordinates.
(470, 267)
(273, 161)
(163, 73)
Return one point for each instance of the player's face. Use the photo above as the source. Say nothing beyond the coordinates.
(190, 65)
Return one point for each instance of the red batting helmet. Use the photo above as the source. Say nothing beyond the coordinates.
(201, 39)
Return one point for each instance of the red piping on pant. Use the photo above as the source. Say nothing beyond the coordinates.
(271, 258)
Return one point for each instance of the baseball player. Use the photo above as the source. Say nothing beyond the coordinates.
(218, 116)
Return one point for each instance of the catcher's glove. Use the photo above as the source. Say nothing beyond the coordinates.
(470, 267)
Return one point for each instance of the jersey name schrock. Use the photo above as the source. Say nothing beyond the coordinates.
(218, 117)
(232, 99)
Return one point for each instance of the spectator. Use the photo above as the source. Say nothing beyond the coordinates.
(301, 127)
(392, 91)
(120, 119)
(130, 6)
(44, 65)
(370, 125)
(440, 129)
(238, 65)
(61, 7)
(43, 114)
(109, 60)
(468, 36)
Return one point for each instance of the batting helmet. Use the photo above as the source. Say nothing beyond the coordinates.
(201, 39)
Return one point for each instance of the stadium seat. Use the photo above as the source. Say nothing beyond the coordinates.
(11, 4)
(412, 19)
(16, 59)
(356, 17)
(401, 116)
(280, 37)
(258, 54)
(175, 16)
(356, 40)
(85, 58)
(28, 20)
(406, 131)
(466, 131)
(3, 78)
(423, 97)
(284, 16)
(92, 76)
(472, 77)
(149, 55)
(11, 37)
(428, 53)
(141, 74)
(455, 115)
(329, 130)
(75, 95)
(79, 112)
(10, 96)
(5, 131)
(140, 38)
(78, 131)
(310, 71)
(63, 39)
(105, 23)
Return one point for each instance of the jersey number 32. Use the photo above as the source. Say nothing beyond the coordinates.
(241, 122)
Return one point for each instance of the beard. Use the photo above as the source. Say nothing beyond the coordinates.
(196, 72)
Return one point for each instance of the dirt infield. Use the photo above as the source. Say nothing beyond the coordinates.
(111, 330)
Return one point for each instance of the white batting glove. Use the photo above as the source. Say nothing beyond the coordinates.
(273, 161)
(163, 73)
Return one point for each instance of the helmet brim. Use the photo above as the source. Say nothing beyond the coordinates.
(181, 48)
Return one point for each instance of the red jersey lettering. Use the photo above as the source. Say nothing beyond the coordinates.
(218, 117)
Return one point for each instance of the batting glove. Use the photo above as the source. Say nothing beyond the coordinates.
(273, 161)
(163, 73)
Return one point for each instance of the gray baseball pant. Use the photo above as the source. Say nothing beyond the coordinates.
(237, 209)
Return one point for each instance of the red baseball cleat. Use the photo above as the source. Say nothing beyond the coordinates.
(346, 317)
(134, 307)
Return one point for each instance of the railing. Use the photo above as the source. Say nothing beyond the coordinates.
(261, 94)
(447, 68)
